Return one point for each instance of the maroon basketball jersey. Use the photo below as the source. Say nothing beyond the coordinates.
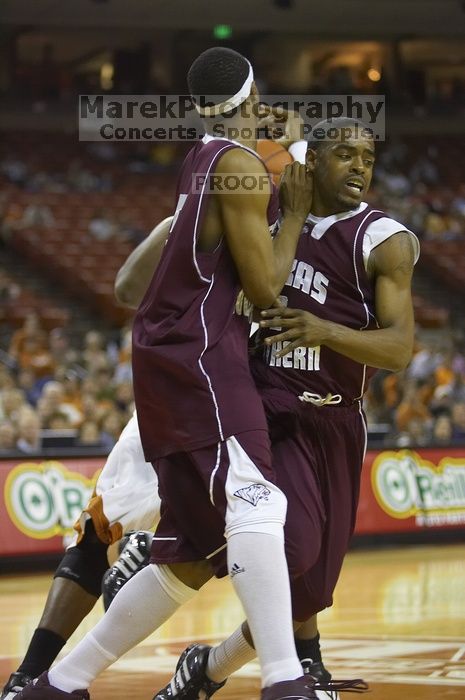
(328, 279)
(192, 381)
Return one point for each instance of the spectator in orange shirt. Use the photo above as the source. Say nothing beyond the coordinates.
(30, 329)
(444, 374)
(412, 407)
(29, 348)
(36, 357)
(392, 389)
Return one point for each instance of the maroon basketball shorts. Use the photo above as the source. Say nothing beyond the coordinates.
(318, 466)
(212, 493)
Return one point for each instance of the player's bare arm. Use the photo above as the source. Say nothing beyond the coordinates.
(263, 264)
(135, 274)
(389, 347)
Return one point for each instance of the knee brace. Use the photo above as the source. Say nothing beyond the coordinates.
(86, 563)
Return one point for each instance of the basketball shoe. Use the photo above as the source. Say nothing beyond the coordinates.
(15, 683)
(134, 555)
(299, 689)
(316, 669)
(321, 676)
(190, 678)
(325, 686)
(40, 689)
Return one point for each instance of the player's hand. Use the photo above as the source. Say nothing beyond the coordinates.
(299, 329)
(284, 126)
(244, 307)
(296, 190)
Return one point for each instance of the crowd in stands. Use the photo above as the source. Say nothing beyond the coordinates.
(425, 404)
(65, 167)
(422, 190)
(103, 226)
(48, 385)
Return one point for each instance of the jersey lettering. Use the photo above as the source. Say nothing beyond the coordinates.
(320, 287)
(299, 358)
(304, 278)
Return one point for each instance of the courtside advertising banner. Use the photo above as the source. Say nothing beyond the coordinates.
(402, 491)
(42, 499)
(412, 490)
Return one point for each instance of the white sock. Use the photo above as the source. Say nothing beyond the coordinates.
(261, 580)
(144, 603)
(229, 656)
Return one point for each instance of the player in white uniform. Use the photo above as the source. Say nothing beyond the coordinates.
(125, 499)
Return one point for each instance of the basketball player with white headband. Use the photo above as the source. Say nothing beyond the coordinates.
(208, 108)
(201, 420)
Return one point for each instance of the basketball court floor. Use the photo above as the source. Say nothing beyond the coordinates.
(398, 621)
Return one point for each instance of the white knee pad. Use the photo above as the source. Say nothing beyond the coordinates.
(253, 503)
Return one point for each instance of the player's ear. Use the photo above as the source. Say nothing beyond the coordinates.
(310, 160)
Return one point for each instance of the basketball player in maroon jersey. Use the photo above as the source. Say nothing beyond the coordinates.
(201, 420)
(391, 268)
(344, 311)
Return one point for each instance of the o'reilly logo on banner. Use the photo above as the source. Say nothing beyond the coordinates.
(405, 486)
(44, 500)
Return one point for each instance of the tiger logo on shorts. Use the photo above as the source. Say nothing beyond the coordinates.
(253, 494)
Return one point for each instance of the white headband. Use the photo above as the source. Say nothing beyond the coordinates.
(232, 102)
